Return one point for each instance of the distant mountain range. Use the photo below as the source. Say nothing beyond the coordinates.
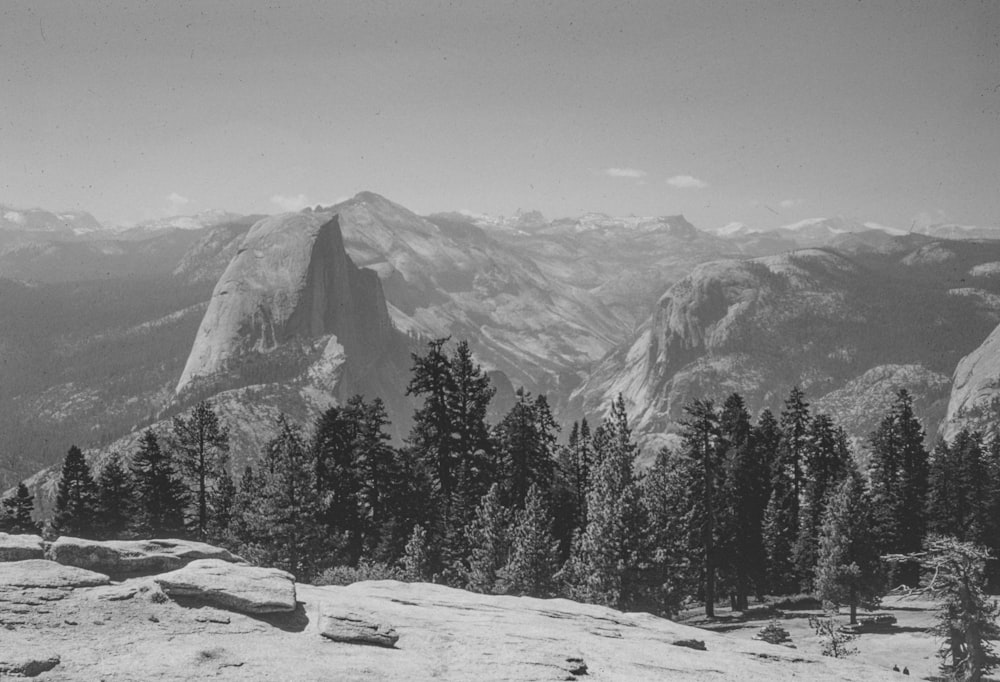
(106, 332)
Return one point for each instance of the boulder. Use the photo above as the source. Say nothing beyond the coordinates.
(353, 628)
(47, 574)
(133, 557)
(248, 589)
(21, 547)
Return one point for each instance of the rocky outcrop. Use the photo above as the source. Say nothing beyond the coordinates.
(849, 330)
(218, 620)
(247, 589)
(21, 547)
(975, 387)
(31, 665)
(445, 276)
(133, 557)
(290, 280)
(41, 573)
(353, 628)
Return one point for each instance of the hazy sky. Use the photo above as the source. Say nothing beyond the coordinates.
(761, 112)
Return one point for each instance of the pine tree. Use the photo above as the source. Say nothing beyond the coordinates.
(781, 519)
(954, 577)
(469, 403)
(795, 422)
(337, 481)
(849, 570)
(286, 516)
(959, 502)
(703, 451)
(576, 460)
(534, 554)
(899, 479)
(671, 574)
(431, 436)
(16, 511)
(526, 438)
(380, 479)
(416, 557)
(200, 448)
(967, 620)
(222, 508)
(827, 462)
(76, 499)
(489, 542)
(244, 535)
(747, 475)
(451, 439)
(605, 556)
(159, 491)
(115, 500)
(766, 437)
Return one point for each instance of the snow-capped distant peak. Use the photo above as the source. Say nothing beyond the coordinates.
(209, 218)
(735, 229)
(894, 231)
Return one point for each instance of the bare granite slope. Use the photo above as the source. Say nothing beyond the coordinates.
(203, 621)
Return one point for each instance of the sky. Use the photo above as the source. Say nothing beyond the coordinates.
(758, 112)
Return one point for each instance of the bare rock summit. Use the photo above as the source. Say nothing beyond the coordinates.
(290, 280)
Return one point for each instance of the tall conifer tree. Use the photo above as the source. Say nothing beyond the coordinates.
(160, 492)
(200, 448)
(16, 512)
(899, 479)
(703, 450)
(76, 498)
(827, 462)
(534, 552)
(849, 570)
(286, 517)
(744, 498)
(605, 557)
(115, 500)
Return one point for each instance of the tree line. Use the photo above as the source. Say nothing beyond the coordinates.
(743, 508)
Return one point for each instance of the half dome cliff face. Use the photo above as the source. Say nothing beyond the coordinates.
(290, 282)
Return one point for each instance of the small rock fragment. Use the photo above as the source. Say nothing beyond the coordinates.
(697, 644)
(576, 666)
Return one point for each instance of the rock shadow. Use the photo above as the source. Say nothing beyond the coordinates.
(289, 621)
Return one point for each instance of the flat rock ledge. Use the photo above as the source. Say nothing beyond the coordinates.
(237, 587)
(26, 666)
(133, 557)
(41, 573)
(353, 628)
(21, 547)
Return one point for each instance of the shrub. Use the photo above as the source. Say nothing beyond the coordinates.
(346, 575)
(773, 633)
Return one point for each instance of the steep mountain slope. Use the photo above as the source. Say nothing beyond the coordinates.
(445, 277)
(84, 362)
(292, 327)
(626, 263)
(291, 282)
(817, 318)
(975, 394)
